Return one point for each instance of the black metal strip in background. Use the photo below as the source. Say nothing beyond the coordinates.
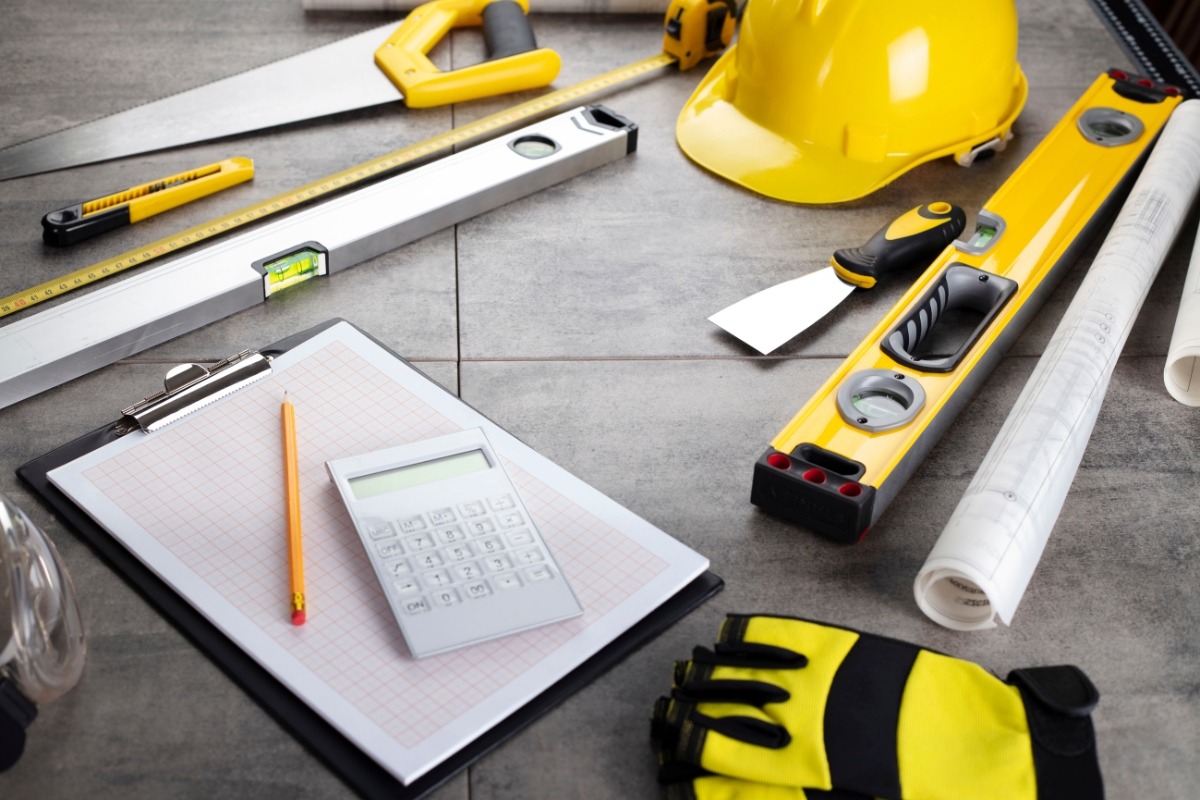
(1146, 43)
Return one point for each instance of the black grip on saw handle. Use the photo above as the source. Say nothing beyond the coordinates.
(914, 238)
(506, 30)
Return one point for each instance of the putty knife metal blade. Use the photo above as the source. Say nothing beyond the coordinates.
(341, 76)
(769, 319)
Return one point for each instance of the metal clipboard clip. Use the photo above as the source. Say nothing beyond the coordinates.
(189, 387)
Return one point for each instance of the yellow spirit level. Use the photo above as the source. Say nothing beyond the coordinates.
(844, 457)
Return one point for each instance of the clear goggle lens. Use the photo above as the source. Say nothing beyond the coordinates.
(41, 634)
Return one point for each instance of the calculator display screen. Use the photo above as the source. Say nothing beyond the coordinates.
(416, 474)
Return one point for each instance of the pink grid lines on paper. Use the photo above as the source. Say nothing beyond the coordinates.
(210, 490)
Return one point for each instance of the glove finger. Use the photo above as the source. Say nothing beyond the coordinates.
(750, 693)
(741, 741)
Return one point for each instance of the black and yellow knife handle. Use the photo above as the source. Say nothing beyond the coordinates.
(912, 239)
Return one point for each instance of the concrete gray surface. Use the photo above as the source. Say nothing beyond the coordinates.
(577, 319)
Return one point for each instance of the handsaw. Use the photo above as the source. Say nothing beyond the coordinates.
(349, 74)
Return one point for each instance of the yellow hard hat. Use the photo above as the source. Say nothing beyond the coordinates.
(822, 101)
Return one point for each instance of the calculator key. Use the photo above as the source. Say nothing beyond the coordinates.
(429, 561)
(446, 597)
(512, 519)
(390, 549)
(418, 605)
(438, 579)
(477, 590)
(491, 544)
(508, 582)
(469, 572)
(443, 516)
(406, 586)
(381, 531)
(472, 509)
(497, 563)
(518, 538)
(398, 568)
(531, 556)
(501, 502)
(481, 526)
(539, 573)
(422, 541)
(412, 525)
(451, 535)
(460, 552)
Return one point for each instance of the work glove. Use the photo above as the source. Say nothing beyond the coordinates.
(794, 703)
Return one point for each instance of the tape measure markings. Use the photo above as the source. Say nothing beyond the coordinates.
(177, 241)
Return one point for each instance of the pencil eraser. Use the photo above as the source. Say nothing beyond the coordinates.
(298, 617)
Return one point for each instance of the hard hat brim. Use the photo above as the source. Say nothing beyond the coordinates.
(717, 136)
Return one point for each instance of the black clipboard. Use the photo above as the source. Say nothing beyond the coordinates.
(342, 756)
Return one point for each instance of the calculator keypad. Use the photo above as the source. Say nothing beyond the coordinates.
(463, 554)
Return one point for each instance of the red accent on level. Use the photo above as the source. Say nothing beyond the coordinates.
(779, 461)
(815, 475)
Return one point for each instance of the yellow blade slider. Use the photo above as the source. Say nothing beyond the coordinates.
(72, 224)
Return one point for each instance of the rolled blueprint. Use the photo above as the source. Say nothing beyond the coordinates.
(535, 6)
(1182, 373)
(984, 559)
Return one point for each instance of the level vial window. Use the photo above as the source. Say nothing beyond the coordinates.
(982, 237)
(292, 269)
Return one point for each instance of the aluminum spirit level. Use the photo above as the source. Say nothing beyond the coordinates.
(117, 321)
(846, 454)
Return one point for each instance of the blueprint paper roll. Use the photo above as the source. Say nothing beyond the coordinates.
(1182, 372)
(983, 560)
(535, 6)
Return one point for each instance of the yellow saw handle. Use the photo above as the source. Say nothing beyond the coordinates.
(516, 62)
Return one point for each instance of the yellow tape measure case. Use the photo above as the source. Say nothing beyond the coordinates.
(845, 456)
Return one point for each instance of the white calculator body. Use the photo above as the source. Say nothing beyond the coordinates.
(456, 551)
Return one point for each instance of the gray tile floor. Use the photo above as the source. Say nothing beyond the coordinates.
(576, 318)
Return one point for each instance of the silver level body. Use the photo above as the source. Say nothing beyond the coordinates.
(117, 321)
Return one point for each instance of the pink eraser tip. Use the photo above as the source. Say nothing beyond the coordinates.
(298, 617)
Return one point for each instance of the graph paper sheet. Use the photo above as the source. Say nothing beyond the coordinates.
(201, 503)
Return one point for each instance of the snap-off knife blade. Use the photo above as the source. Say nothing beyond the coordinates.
(338, 77)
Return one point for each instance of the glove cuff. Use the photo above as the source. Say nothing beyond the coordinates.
(1058, 703)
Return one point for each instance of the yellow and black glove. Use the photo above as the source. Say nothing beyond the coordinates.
(793, 703)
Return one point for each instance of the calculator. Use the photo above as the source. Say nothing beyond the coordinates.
(459, 557)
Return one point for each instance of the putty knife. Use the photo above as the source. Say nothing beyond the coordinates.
(769, 319)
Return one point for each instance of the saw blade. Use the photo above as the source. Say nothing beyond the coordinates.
(769, 319)
(341, 76)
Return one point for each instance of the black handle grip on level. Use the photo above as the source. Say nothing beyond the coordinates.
(506, 30)
(912, 239)
(960, 287)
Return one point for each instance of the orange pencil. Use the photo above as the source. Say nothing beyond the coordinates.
(291, 474)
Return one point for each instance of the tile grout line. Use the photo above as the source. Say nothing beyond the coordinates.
(458, 333)
(458, 359)
(457, 306)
